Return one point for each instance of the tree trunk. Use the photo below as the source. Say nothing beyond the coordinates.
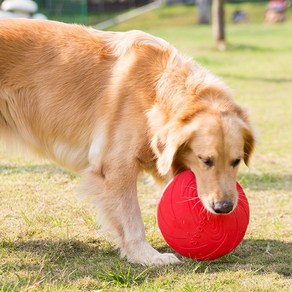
(218, 24)
(203, 11)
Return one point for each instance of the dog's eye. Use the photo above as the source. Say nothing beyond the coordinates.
(235, 162)
(207, 161)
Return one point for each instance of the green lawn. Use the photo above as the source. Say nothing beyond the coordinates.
(48, 239)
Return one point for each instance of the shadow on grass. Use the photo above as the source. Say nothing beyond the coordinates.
(76, 260)
(266, 181)
(255, 78)
(250, 48)
(258, 255)
(50, 169)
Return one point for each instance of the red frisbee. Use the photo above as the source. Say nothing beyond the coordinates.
(190, 229)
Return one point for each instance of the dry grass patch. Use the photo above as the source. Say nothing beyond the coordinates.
(48, 238)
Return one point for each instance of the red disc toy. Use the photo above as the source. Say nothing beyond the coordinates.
(190, 229)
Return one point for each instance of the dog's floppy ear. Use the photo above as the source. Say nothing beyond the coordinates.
(248, 133)
(170, 134)
(249, 144)
(167, 141)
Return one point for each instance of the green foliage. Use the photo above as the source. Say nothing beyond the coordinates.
(124, 278)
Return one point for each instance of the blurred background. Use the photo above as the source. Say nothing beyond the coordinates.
(91, 12)
(49, 244)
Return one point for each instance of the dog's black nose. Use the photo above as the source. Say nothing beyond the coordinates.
(223, 207)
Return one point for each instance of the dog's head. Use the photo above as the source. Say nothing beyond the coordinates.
(211, 139)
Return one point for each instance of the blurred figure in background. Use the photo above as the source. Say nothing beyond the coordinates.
(276, 11)
(239, 17)
(20, 9)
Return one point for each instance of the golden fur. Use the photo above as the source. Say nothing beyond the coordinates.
(110, 105)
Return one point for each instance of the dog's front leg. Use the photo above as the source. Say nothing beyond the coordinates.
(114, 194)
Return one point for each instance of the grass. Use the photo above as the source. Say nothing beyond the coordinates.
(48, 238)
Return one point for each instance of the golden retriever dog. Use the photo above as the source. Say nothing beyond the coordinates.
(110, 105)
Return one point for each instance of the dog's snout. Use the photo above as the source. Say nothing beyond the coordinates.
(223, 207)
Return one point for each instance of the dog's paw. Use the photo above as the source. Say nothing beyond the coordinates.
(143, 253)
(162, 259)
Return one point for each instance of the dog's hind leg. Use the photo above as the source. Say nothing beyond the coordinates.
(114, 193)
